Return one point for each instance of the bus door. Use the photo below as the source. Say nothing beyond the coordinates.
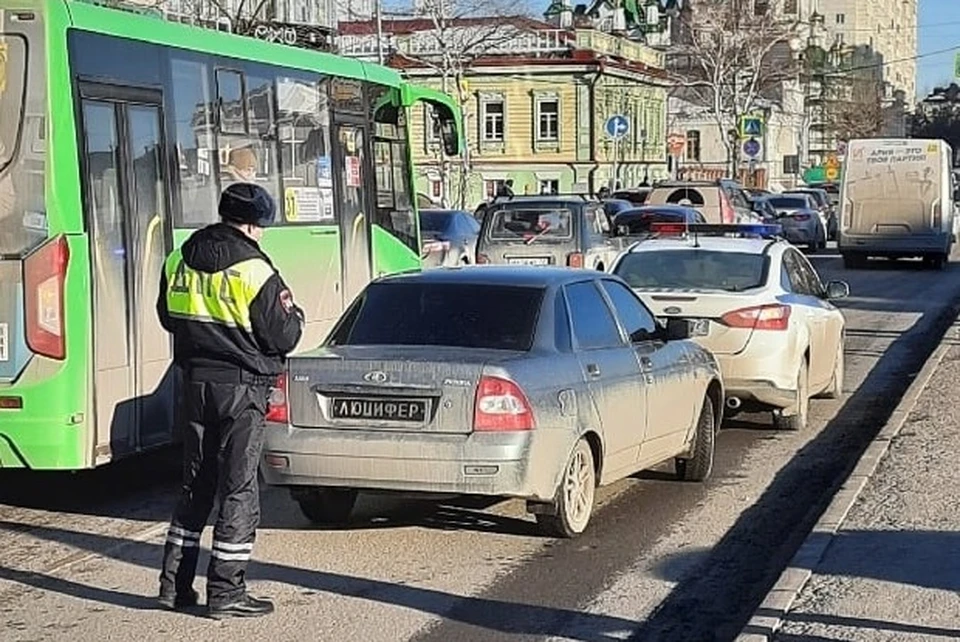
(127, 218)
(354, 184)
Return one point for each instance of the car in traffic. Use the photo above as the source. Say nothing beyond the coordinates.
(765, 313)
(449, 238)
(532, 383)
(637, 221)
(828, 211)
(720, 201)
(571, 231)
(613, 206)
(800, 219)
(636, 195)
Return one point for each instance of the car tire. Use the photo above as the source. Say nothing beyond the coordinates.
(325, 505)
(835, 389)
(798, 420)
(699, 466)
(574, 497)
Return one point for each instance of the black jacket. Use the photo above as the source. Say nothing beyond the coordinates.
(218, 351)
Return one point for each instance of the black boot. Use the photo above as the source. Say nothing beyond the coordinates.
(178, 601)
(241, 606)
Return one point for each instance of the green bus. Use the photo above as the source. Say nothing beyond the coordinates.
(118, 132)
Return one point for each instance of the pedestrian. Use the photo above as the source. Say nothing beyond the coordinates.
(233, 322)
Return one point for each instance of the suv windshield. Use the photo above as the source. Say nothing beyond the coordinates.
(787, 203)
(693, 270)
(531, 222)
(443, 314)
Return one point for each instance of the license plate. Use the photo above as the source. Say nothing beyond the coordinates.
(523, 260)
(408, 410)
(4, 342)
(699, 327)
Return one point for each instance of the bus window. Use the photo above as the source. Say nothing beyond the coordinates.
(22, 144)
(304, 131)
(195, 142)
(395, 212)
(248, 151)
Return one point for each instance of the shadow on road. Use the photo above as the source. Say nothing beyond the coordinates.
(726, 586)
(492, 615)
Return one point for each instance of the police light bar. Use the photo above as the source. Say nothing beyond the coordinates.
(741, 230)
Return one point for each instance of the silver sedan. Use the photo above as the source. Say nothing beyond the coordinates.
(537, 383)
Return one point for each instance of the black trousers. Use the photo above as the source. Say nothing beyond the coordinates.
(223, 439)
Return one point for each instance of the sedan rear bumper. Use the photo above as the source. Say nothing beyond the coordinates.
(764, 372)
(525, 464)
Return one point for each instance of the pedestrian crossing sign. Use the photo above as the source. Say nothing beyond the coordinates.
(751, 126)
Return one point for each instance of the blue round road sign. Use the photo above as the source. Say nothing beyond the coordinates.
(617, 126)
(751, 147)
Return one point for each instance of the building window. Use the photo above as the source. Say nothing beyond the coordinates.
(790, 7)
(841, 19)
(492, 121)
(431, 125)
(548, 120)
(761, 7)
(436, 189)
(693, 145)
(550, 186)
(493, 187)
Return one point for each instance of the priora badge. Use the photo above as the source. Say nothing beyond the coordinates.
(377, 376)
(672, 310)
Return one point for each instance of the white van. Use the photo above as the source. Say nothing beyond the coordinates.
(896, 201)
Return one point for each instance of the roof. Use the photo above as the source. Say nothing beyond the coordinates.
(407, 26)
(712, 243)
(667, 207)
(501, 201)
(515, 275)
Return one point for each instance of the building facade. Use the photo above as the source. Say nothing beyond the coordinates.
(536, 109)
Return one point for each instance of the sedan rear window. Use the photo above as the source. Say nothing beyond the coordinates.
(443, 314)
(527, 223)
(693, 270)
(786, 203)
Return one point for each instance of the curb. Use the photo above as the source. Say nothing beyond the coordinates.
(769, 616)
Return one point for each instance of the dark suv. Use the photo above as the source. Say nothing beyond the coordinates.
(546, 230)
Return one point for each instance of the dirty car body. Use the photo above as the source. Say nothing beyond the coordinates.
(425, 387)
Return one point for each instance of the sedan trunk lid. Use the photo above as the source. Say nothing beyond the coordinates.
(720, 339)
(387, 388)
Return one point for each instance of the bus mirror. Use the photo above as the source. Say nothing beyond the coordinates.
(448, 129)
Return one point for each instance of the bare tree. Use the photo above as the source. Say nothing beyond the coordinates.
(731, 57)
(241, 17)
(855, 110)
(461, 32)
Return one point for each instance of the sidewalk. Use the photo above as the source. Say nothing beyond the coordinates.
(892, 571)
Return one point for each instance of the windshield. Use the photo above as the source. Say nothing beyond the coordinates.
(693, 270)
(787, 203)
(436, 222)
(443, 314)
(532, 222)
(22, 145)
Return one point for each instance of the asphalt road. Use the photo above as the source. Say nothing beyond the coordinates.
(662, 560)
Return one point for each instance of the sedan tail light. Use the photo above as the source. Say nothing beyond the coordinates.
(501, 406)
(45, 273)
(937, 215)
(277, 405)
(762, 317)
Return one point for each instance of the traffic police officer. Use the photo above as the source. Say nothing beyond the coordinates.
(233, 322)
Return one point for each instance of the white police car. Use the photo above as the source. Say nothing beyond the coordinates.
(767, 315)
